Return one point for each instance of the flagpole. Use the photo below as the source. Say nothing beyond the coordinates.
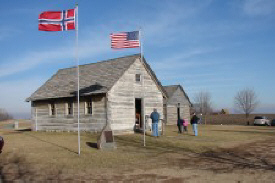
(36, 119)
(143, 116)
(77, 60)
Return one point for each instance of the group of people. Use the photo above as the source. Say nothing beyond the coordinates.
(181, 123)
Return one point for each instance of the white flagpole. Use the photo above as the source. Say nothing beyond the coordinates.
(77, 59)
(143, 116)
(36, 119)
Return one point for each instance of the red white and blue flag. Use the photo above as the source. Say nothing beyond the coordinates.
(125, 40)
(57, 20)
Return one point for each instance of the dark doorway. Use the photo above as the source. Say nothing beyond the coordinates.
(178, 112)
(138, 123)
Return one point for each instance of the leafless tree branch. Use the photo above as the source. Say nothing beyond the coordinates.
(246, 101)
(203, 100)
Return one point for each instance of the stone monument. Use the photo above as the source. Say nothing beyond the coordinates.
(106, 138)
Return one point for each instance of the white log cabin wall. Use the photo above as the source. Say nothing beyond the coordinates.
(172, 107)
(62, 122)
(123, 94)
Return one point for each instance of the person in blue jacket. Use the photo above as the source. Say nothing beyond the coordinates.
(155, 119)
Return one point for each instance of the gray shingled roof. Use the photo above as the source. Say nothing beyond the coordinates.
(170, 90)
(94, 78)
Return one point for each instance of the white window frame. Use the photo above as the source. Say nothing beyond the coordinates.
(140, 78)
(67, 108)
(86, 107)
(51, 106)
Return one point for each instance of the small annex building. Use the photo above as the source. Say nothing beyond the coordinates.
(120, 91)
(176, 104)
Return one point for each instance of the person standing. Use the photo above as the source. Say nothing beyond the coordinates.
(155, 119)
(180, 125)
(194, 123)
(185, 124)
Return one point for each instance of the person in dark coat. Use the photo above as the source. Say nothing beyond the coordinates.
(194, 122)
(1, 144)
(155, 119)
(180, 124)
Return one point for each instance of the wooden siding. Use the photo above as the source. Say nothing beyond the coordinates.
(172, 115)
(63, 122)
(172, 105)
(121, 98)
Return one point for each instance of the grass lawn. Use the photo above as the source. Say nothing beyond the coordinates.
(59, 149)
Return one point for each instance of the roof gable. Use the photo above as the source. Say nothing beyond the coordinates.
(172, 89)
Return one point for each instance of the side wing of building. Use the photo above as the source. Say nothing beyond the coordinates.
(177, 103)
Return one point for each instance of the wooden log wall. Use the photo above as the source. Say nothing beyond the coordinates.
(62, 122)
(123, 94)
(172, 105)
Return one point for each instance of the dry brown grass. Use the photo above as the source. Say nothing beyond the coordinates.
(233, 119)
(57, 151)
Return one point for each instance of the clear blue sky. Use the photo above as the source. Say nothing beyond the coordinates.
(212, 45)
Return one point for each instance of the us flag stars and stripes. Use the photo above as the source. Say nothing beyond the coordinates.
(125, 40)
(57, 20)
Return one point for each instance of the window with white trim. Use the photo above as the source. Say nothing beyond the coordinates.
(88, 107)
(70, 108)
(138, 78)
(52, 109)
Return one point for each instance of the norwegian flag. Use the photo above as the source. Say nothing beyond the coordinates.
(57, 20)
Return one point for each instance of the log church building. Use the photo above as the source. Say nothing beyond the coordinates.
(120, 91)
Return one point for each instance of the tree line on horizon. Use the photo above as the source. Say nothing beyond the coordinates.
(4, 115)
(245, 101)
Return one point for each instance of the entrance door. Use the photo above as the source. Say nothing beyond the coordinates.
(138, 114)
(178, 111)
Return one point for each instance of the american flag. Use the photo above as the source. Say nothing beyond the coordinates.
(125, 40)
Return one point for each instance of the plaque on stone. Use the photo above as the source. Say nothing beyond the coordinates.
(109, 136)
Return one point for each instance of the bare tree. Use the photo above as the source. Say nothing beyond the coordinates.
(246, 101)
(4, 115)
(203, 103)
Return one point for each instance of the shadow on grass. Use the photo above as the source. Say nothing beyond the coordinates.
(92, 144)
(54, 144)
(24, 130)
(218, 160)
(154, 146)
(228, 160)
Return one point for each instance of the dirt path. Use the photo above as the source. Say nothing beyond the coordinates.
(253, 162)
